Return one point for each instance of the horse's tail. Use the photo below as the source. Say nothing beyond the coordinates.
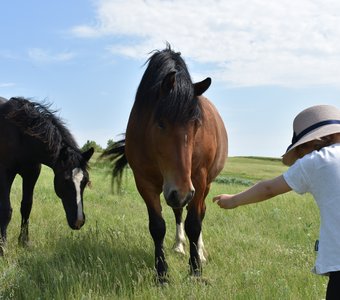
(116, 155)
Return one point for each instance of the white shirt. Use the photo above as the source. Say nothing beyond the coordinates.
(319, 174)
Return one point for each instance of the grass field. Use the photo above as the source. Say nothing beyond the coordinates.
(261, 251)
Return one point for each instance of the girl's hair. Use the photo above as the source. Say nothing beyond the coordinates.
(316, 144)
(330, 139)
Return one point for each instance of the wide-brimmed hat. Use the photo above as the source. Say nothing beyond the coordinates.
(311, 124)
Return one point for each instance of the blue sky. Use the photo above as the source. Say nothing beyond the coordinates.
(268, 60)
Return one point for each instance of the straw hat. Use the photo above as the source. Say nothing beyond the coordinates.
(311, 124)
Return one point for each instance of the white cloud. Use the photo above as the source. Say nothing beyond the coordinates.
(85, 31)
(244, 42)
(6, 84)
(41, 55)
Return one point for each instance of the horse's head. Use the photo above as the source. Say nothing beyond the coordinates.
(70, 180)
(174, 139)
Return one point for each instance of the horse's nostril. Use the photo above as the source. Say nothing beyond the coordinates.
(175, 200)
(173, 197)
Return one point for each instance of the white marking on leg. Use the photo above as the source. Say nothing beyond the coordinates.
(77, 176)
(180, 239)
(201, 249)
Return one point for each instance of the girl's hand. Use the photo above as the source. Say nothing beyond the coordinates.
(258, 192)
(225, 201)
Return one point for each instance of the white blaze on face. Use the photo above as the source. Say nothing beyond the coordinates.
(77, 177)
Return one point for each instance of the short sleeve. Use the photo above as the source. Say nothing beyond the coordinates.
(297, 178)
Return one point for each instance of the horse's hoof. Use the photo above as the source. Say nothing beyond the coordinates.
(200, 280)
(196, 276)
(195, 270)
(23, 243)
(163, 281)
(2, 251)
(195, 273)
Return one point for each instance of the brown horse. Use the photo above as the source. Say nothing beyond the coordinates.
(175, 143)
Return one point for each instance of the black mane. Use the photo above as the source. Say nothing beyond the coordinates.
(180, 104)
(38, 121)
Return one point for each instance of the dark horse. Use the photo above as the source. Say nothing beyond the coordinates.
(31, 135)
(175, 143)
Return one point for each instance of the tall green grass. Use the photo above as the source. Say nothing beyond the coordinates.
(261, 251)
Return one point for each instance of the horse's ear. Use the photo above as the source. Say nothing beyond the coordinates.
(168, 82)
(202, 86)
(88, 154)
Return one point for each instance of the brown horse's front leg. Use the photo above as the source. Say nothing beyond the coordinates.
(157, 230)
(193, 226)
(180, 235)
(193, 229)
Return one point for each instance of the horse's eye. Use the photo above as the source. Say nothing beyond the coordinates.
(161, 124)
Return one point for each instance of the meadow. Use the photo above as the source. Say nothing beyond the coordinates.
(260, 251)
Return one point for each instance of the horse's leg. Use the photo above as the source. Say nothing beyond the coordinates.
(200, 245)
(193, 226)
(180, 235)
(29, 176)
(193, 229)
(157, 230)
(201, 248)
(157, 226)
(6, 180)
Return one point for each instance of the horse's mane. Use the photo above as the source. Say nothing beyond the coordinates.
(180, 105)
(38, 121)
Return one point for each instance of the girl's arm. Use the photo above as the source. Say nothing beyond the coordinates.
(259, 192)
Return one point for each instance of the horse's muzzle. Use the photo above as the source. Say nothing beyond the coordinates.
(175, 200)
(79, 224)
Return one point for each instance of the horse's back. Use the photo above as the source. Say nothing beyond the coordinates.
(2, 100)
(9, 136)
(2, 109)
(212, 139)
(4, 106)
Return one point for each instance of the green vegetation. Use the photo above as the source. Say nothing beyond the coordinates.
(261, 251)
(91, 144)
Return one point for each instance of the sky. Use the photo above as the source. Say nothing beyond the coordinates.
(268, 60)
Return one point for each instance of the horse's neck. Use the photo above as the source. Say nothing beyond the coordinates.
(39, 152)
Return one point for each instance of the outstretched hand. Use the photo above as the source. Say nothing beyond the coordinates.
(261, 191)
(225, 201)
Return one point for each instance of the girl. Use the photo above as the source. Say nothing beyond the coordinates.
(314, 160)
